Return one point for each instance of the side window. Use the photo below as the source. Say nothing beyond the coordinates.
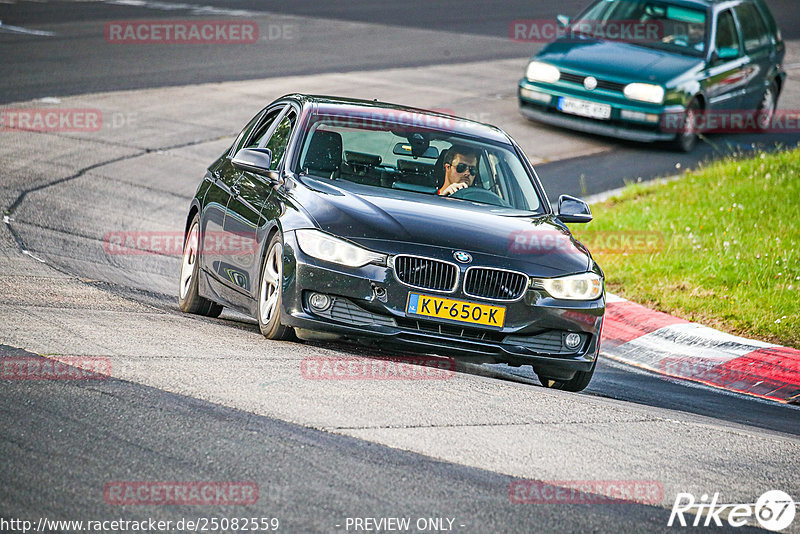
(754, 29)
(263, 129)
(237, 145)
(280, 139)
(727, 36)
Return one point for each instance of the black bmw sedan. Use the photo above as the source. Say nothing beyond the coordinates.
(371, 222)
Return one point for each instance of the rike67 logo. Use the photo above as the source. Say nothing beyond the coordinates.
(774, 510)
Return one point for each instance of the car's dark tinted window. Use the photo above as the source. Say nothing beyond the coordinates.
(237, 145)
(263, 129)
(280, 139)
(754, 29)
(727, 36)
(774, 33)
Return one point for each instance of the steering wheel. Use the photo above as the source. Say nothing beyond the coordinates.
(479, 194)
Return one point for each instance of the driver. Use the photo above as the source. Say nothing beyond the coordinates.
(460, 168)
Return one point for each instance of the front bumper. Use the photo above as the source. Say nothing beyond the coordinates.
(544, 108)
(533, 333)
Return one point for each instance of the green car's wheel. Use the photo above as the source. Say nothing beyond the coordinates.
(686, 139)
(766, 110)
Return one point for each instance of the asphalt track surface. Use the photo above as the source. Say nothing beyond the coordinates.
(177, 414)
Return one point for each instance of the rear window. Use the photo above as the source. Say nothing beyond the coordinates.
(754, 29)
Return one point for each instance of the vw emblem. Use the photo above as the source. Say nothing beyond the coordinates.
(590, 83)
(462, 257)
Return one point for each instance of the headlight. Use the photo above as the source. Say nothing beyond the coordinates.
(542, 72)
(586, 286)
(645, 92)
(328, 248)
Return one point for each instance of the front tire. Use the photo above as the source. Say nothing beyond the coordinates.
(575, 384)
(270, 292)
(686, 139)
(189, 299)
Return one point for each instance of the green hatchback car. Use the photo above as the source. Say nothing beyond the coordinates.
(683, 59)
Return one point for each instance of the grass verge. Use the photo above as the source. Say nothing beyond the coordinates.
(720, 246)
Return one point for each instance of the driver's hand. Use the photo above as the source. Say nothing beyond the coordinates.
(452, 188)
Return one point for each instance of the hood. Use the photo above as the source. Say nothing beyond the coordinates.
(393, 221)
(602, 59)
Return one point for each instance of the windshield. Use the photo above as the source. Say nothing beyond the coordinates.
(418, 159)
(646, 23)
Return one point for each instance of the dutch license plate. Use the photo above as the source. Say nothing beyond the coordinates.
(584, 108)
(456, 310)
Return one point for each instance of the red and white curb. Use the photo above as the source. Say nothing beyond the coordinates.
(638, 336)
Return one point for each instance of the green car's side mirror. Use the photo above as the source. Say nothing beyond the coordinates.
(725, 53)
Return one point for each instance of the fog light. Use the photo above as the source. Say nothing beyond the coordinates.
(319, 302)
(572, 340)
(638, 116)
(535, 95)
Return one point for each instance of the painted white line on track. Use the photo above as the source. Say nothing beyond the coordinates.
(26, 31)
(27, 253)
(192, 8)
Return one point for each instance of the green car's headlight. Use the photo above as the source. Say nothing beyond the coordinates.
(644, 92)
(586, 286)
(328, 248)
(542, 72)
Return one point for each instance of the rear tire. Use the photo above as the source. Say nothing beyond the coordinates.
(686, 139)
(575, 384)
(270, 292)
(189, 299)
(766, 110)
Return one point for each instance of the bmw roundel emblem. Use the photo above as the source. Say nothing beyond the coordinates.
(590, 83)
(462, 257)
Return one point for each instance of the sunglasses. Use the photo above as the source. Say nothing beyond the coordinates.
(461, 167)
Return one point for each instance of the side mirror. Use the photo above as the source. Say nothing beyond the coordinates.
(258, 161)
(573, 210)
(724, 53)
(563, 20)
